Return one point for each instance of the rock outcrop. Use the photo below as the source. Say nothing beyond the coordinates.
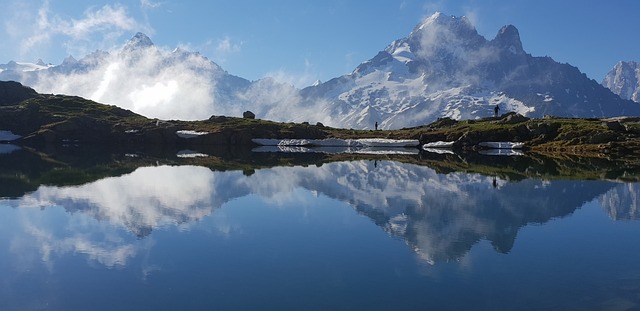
(13, 92)
(248, 115)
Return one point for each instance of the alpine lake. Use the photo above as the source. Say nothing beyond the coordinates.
(88, 228)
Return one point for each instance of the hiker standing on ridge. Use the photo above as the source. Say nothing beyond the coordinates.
(376, 125)
(496, 109)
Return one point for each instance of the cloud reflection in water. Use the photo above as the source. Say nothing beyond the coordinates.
(440, 216)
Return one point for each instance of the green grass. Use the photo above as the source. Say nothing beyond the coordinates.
(566, 135)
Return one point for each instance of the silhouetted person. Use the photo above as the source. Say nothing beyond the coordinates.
(496, 109)
(376, 125)
(495, 182)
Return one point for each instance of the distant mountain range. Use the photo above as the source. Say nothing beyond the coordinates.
(444, 68)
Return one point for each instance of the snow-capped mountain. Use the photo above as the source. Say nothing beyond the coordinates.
(137, 42)
(444, 68)
(624, 80)
(23, 67)
(143, 78)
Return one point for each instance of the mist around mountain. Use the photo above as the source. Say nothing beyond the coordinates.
(140, 77)
(168, 85)
(443, 68)
(624, 80)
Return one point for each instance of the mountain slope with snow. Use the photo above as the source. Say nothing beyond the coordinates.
(444, 68)
(624, 80)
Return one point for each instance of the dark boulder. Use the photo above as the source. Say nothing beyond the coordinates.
(445, 122)
(219, 118)
(248, 115)
(512, 118)
(613, 125)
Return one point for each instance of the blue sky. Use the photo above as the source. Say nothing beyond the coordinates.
(299, 41)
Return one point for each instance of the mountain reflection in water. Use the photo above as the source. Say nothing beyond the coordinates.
(107, 229)
(439, 216)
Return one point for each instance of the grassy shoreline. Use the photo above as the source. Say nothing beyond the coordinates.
(43, 119)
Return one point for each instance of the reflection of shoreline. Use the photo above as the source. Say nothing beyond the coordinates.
(440, 216)
(24, 170)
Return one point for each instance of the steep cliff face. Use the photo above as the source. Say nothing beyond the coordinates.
(624, 80)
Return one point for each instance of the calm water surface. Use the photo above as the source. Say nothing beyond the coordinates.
(359, 235)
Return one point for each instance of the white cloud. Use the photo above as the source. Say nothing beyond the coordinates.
(472, 14)
(98, 27)
(351, 61)
(221, 49)
(105, 19)
(274, 100)
(438, 39)
(148, 83)
(299, 80)
(181, 85)
(183, 192)
(159, 83)
(149, 4)
(40, 34)
(226, 45)
(434, 6)
(111, 251)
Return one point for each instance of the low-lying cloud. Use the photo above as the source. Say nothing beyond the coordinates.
(147, 82)
(163, 84)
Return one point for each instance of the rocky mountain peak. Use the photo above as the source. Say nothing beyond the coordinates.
(138, 41)
(441, 36)
(69, 61)
(439, 19)
(508, 38)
